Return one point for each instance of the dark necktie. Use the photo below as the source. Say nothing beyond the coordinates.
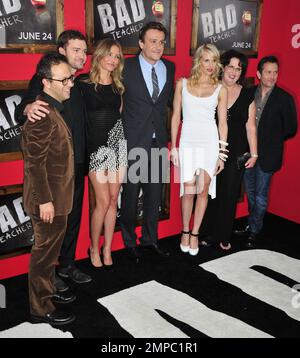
(155, 85)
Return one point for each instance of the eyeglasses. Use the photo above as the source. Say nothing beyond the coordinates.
(63, 81)
(156, 42)
(235, 69)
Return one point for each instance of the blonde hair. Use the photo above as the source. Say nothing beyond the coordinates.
(195, 71)
(103, 49)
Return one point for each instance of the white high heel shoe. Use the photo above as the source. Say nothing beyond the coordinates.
(185, 248)
(194, 252)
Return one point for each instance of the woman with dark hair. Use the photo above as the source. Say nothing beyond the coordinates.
(102, 89)
(220, 214)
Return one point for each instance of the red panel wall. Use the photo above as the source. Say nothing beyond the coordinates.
(275, 38)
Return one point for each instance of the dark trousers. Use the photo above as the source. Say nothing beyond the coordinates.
(68, 249)
(257, 185)
(220, 213)
(44, 255)
(152, 193)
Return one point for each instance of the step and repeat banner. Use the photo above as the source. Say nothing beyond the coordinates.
(227, 24)
(30, 26)
(33, 26)
(15, 226)
(123, 19)
(11, 93)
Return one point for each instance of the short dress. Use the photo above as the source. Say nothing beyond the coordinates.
(199, 140)
(106, 143)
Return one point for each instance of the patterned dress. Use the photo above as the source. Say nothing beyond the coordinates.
(106, 144)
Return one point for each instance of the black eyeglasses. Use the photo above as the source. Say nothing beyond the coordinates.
(63, 81)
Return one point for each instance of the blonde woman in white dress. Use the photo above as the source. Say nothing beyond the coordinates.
(202, 146)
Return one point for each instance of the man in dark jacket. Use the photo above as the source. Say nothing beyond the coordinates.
(148, 81)
(72, 44)
(276, 120)
(48, 188)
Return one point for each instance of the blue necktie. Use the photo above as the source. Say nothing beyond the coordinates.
(155, 92)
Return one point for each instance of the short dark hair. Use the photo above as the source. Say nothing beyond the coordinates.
(45, 64)
(243, 61)
(152, 26)
(271, 59)
(67, 35)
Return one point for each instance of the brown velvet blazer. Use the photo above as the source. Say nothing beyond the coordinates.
(48, 163)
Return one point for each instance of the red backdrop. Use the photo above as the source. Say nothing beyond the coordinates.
(279, 19)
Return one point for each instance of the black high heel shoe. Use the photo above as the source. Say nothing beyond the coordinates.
(93, 266)
(107, 267)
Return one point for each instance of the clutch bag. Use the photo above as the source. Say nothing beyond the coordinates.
(242, 160)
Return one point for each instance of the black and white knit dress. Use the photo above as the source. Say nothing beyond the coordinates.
(106, 144)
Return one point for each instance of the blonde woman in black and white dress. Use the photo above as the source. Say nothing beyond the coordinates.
(106, 145)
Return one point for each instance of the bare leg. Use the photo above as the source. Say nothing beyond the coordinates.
(101, 189)
(200, 207)
(187, 201)
(115, 181)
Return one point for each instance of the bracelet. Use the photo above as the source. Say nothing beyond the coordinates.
(223, 157)
(254, 155)
(224, 143)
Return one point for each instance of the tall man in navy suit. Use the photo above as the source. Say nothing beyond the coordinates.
(276, 120)
(148, 83)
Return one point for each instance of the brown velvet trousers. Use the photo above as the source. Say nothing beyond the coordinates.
(44, 255)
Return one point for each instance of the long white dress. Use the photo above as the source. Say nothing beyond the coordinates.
(199, 140)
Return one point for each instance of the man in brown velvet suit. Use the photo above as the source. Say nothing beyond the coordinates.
(48, 189)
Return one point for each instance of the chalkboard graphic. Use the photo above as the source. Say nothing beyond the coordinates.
(30, 25)
(11, 93)
(227, 24)
(123, 19)
(15, 226)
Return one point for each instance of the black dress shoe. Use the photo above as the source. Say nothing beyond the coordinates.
(157, 250)
(56, 318)
(74, 274)
(134, 254)
(60, 285)
(63, 298)
(108, 268)
(251, 241)
(242, 232)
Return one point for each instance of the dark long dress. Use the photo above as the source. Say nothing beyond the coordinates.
(106, 144)
(219, 216)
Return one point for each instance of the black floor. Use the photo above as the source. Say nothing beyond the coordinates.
(180, 272)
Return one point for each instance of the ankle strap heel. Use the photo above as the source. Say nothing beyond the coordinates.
(194, 252)
(195, 235)
(185, 248)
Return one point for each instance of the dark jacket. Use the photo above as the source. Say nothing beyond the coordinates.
(278, 122)
(48, 163)
(141, 117)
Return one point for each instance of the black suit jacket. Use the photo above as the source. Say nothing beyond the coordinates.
(278, 122)
(141, 117)
(74, 114)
